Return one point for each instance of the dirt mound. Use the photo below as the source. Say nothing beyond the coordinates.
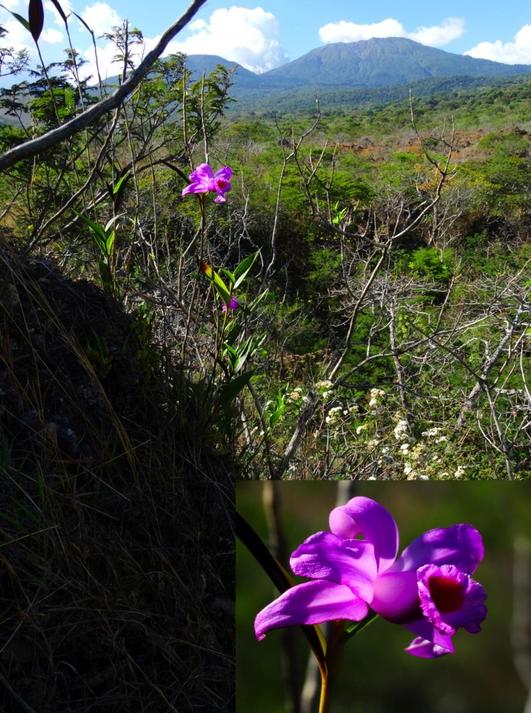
(115, 518)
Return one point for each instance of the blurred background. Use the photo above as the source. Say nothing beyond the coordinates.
(489, 671)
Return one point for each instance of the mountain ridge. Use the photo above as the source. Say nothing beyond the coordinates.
(372, 63)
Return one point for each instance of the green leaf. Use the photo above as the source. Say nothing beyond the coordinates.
(354, 627)
(220, 287)
(18, 17)
(111, 222)
(109, 245)
(36, 18)
(230, 349)
(228, 274)
(251, 306)
(120, 184)
(59, 10)
(229, 391)
(241, 272)
(98, 233)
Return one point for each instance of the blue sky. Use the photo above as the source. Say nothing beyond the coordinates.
(262, 35)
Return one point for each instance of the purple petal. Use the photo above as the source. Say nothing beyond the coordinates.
(233, 304)
(225, 173)
(220, 198)
(203, 173)
(349, 562)
(396, 596)
(195, 188)
(450, 599)
(460, 545)
(431, 643)
(370, 519)
(310, 603)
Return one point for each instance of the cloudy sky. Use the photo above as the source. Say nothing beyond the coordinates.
(261, 36)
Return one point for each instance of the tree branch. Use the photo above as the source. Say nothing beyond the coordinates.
(46, 141)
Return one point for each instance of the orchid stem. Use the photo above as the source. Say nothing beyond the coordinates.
(334, 655)
(360, 625)
(202, 228)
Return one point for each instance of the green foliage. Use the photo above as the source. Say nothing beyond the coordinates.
(431, 263)
(325, 266)
(363, 169)
(276, 408)
(99, 355)
(104, 238)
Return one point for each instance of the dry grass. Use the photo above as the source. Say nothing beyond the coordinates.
(116, 547)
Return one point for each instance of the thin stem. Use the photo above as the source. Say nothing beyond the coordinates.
(191, 306)
(334, 655)
(324, 701)
(360, 625)
(201, 228)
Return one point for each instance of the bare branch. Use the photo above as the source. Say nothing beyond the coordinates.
(53, 137)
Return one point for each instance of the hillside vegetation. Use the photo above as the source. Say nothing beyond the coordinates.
(382, 320)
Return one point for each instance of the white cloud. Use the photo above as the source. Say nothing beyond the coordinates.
(17, 36)
(439, 35)
(249, 36)
(51, 36)
(101, 17)
(10, 4)
(436, 36)
(344, 31)
(108, 64)
(516, 52)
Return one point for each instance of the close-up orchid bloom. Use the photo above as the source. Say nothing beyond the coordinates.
(354, 571)
(204, 180)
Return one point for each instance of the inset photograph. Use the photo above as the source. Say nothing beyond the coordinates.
(383, 597)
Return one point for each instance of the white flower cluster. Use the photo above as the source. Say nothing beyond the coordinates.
(414, 459)
(460, 471)
(435, 434)
(376, 396)
(335, 414)
(295, 396)
(324, 388)
(400, 431)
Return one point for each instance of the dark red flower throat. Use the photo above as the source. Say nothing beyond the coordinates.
(446, 593)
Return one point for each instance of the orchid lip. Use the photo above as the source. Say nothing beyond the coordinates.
(447, 594)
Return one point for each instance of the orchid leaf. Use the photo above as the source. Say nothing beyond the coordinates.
(109, 245)
(228, 274)
(220, 287)
(257, 300)
(35, 18)
(98, 231)
(229, 391)
(111, 222)
(120, 185)
(281, 579)
(354, 627)
(59, 10)
(18, 17)
(241, 272)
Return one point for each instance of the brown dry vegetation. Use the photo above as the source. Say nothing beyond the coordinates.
(115, 527)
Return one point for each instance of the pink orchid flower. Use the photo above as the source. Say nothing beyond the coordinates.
(204, 180)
